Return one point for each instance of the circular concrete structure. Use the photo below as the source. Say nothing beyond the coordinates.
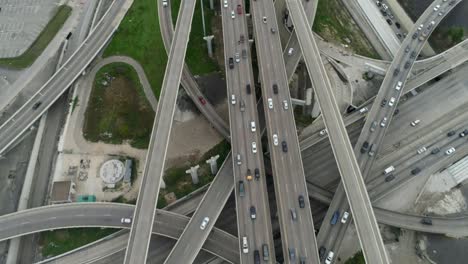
(112, 171)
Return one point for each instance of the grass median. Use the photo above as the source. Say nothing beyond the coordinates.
(41, 42)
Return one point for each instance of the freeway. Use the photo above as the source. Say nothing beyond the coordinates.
(142, 221)
(251, 194)
(353, 183)
(19, 122)
(380, 116)
(295, 218)
(188, 81)
(192, 239)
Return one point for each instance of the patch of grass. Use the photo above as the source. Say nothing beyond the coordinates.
(74, 103)
(358, 258)
(333, 23)
(122, 199)
(56, 242)
(41, 42)
(118, 109)
(197, 51)
(139, 37)
(302, 120)
(444, 38)
(180, 183)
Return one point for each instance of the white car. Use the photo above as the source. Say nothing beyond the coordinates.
(225, 4)
(323, 132)
(345, 217)
(204, 223)
(126, 220)
(164, 3)
(253, 127)
(264, 19)
(415, 122)
(391, 102)
(384, 122)
(450, 151)
(363, 110)
(233, 99)
(329, 257)
(270, 103)
(290, 51)
(233, 15)
(275, 139)
(237, 56)
(285, 105)
(421, 150)
(254, 147)
(245, 245)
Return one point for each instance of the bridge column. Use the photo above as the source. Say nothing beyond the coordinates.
(209, 41)
(193, 171)
(213, 164)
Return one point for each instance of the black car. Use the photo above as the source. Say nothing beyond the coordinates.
(413, 55)
(301, 201)
(407, 65)
(365, 147)
(285, 146)
(248, 89)
(389, 178)
(397, 24)
(396, 111)
(426, 221)
(435, 150)
(231, 63)
(253, 212)
(36, 105)
(256, 257)
(322, 251)
(451, 133)
(415, 35)
(407, 49)
(396, 72)
(275, 88)
(389, 22)
(257, 174)
(415, 171)
(383, 103)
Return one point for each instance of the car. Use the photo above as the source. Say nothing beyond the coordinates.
(285, 105)
(422, 150)
(253, 212)
(462, 134)
(233, 99)
(257, 174)
(36, 105)
(389, 22)
(290, 51)
(322, 250)
(164, 3)
(426, 220)
(396, 72)
(292, 254)
(270, 103)
(248, 175)
(241, 38)
(256, 257)
(242, 106)
(365, 147)
(237, 56)
(450, 133)
(241, 189)
(266, 252)
(431, 25)
(436, 7)
(391, 102)
(407, 49)
(397, 24)
(388, 170)
(248, 89)
(415, 171)
(301, 201)
(415, 35)
(435, 150)
(407, 65)
(275, 88)
(396, 112)
(441, 13)
(254, 147)
(231, 63)
(413, 55)
(233, 15)
(415, 122)
(420, 27)
(372, 149)
(285, 146)
(450, 151)
(389, 178)
(244, 53)
(245, 245)
(383, 103)
(373, 126)
(225, 4)
(335, 217)
(383, 122)
(253, 127)
(275, 139)
(293, 213)
(239, 9)
(239, 162)
(363, 110)
(345, 217)
(273, 30)
(329, 258)
(264, 19)
(398, 87)
(323, 132)
(204, 223)
(202, 100)
(126, 220)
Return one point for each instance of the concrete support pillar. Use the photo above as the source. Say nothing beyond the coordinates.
(308, 101)
(193, 171)
(315, 108)
(209, 44)
(213, 164)
(211, 4)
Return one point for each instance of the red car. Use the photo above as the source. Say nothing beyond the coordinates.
(239, 9)
(202, 100)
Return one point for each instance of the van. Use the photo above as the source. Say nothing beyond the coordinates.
(266, 252)
(241, 189)
(239, 162)
(245, 245)
(335, 217)
(388, 170)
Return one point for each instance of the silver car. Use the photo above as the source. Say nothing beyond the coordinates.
(204, 223)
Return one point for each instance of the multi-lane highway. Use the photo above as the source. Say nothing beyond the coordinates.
(253, 210)
(142, 221)
(294, 214)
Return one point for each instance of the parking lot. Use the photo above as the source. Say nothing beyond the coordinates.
(21, 21)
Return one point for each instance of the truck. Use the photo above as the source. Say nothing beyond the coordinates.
(335, 217)
(388, 170)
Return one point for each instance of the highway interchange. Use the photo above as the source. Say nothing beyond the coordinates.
(297, 235)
